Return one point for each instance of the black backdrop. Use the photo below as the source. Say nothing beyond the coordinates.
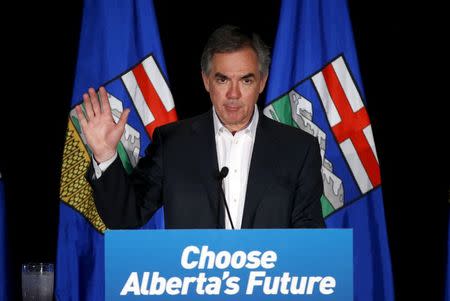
(400, 61)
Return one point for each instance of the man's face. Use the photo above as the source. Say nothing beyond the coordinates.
(234, 84)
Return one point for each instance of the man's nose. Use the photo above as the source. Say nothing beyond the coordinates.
(234, 91)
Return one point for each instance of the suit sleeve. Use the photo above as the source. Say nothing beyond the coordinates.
(128, 201)
(307, 211)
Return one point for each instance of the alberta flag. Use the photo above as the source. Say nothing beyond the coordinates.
(315, 85)
(3, 261)
(121, 50)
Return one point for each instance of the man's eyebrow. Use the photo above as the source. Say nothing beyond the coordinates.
(223, 76)
(248, 75)
(220, 75)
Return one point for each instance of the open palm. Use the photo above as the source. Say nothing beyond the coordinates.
(101, 131)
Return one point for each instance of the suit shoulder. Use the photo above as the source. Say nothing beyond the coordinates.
(181, 125)
(288, 133)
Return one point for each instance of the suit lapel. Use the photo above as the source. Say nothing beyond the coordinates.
(203, 135)
(261, 167)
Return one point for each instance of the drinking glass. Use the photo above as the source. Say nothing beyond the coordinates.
(37, 281)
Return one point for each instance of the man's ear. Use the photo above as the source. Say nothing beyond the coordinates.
(262, 84)
(205, 81)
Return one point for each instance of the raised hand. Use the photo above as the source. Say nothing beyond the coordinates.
(101, 132)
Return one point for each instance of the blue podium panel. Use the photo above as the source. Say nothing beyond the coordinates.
(292, 264)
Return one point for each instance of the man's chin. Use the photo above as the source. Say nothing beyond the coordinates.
(236, 124)
(233, 121)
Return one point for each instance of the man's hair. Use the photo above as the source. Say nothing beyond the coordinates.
(230, 38)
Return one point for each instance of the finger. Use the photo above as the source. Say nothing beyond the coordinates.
(93, 100)
(95, 104)
(123, 118)
(88, 106)
(106, 108)
(80, 115)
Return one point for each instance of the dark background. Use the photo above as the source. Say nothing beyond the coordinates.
(401, 62)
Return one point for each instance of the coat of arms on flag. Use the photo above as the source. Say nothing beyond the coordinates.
(345, 126)
(143, 88)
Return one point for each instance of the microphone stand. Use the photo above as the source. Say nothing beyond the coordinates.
(222, 174)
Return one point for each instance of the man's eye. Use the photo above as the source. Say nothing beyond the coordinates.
(248, 81)
(221, 80)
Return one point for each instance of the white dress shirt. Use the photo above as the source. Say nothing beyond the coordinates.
(100, 168)
(235, 152)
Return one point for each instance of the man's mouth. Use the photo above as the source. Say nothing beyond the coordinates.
(232, 108)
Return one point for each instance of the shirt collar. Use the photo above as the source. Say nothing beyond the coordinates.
(250, 129)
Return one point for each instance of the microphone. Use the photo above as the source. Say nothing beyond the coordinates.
(222, 174)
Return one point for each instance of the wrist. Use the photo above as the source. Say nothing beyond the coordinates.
(100, 158)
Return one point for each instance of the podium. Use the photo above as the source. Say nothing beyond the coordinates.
(275, 264)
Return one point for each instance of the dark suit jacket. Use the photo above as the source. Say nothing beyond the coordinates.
(180, 172)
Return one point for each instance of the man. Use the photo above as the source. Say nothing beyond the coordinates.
(274, 178)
